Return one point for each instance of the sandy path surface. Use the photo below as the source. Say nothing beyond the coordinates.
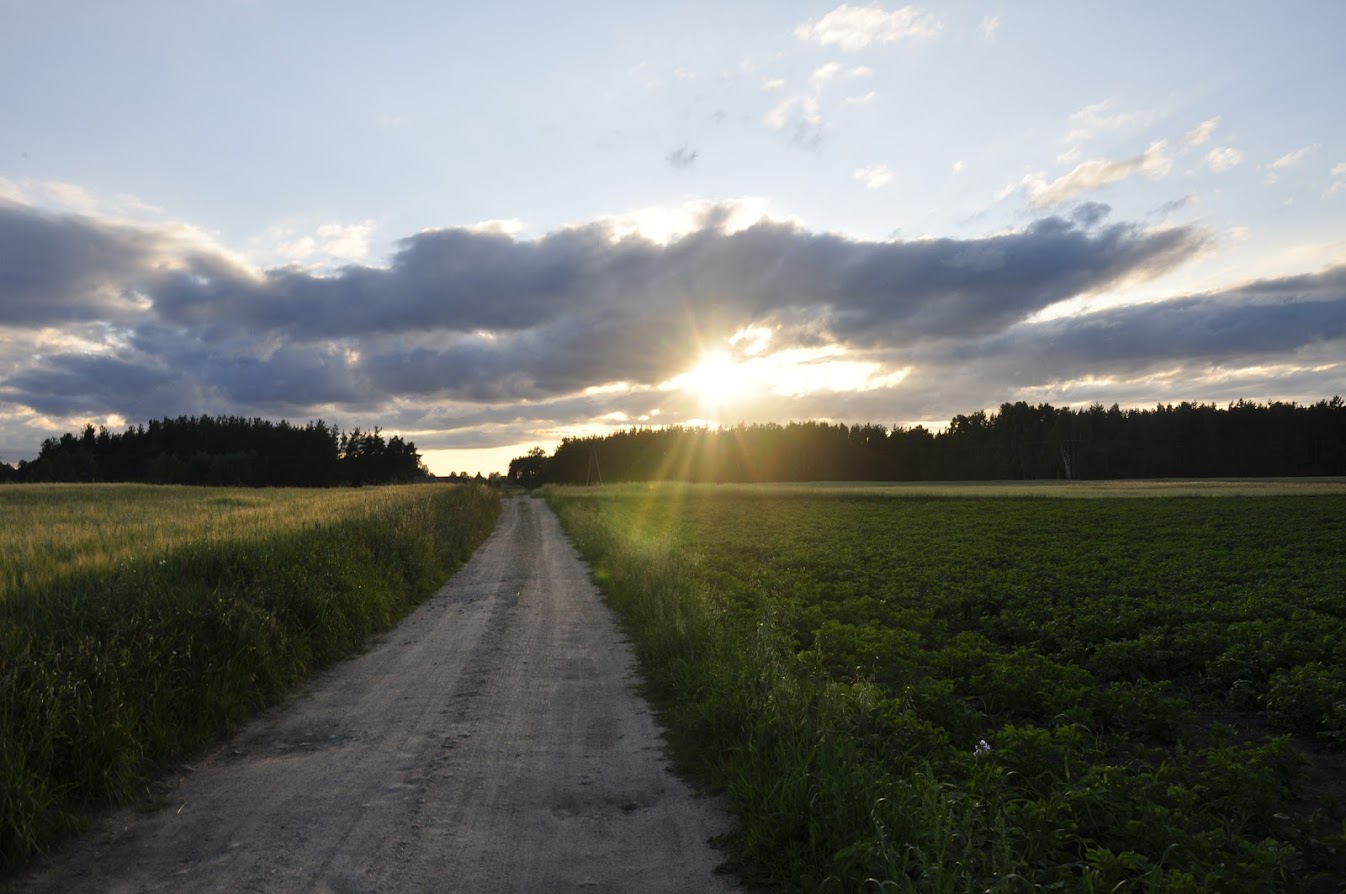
(491, 742)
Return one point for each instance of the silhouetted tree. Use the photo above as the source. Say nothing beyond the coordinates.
(226, 450)
(1019, 441)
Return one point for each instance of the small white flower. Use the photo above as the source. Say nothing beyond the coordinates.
(983, 748)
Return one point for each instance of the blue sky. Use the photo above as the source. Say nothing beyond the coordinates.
(491, 226)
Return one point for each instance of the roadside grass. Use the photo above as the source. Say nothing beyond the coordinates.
(140, 623)
(901, 690)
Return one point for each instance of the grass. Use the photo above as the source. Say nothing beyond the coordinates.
(139, 623)
(966, 688)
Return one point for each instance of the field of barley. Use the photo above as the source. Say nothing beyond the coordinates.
(139, 623)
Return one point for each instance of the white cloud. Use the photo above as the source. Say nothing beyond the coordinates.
(856, 27)
(873, 176)
(824, 73)
(1201, 133)
(773, 84)
(1290, 159)
(1095, 119)
(802, 114)
(503, 226)
(989, 26)
(662, 224)
(958, 166)
(326, 246)
(1154, 163)
(1339, 185)
(830, 71)
(58, 195)
(863, 99)
(779, 115)
(1223, 159)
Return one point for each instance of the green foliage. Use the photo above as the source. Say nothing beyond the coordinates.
(1309, 698)
(930, 694)
(111, 669)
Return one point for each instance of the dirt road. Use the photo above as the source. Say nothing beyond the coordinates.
(492, 742)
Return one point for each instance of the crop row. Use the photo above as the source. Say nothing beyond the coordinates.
(923, 693)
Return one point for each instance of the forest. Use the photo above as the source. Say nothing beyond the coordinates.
(225, 451)
(1020, 441)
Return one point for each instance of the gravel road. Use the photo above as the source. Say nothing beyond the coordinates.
(491, 742)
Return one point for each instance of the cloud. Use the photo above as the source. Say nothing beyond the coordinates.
(856, 27)
(476, 336)
(1339, 183)
(1241, 324)
(1223, 159)
(801, 117)
(1153, 163)
(773, 84)
(682, 157)
(827, 72)
(62, 268)
(863, 99)
(1198, 135)
(824, 73)
(468, 317)
(1290, 159)
(1098, 118)
(873, 176)
(989, 27)
(1277, 339)
(326, 246)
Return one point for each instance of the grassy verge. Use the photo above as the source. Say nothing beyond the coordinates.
(913, 692)
(137, 624)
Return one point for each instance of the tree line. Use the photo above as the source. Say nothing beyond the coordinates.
(1020, 441)
(224, 450)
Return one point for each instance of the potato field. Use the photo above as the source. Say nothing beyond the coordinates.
(997, 689)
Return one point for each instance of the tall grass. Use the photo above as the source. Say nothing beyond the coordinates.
(139, 623)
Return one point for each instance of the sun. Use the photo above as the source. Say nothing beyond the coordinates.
(717, 379)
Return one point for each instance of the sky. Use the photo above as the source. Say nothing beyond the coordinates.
(487, 227)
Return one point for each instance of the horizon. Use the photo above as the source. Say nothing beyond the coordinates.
(486, 230)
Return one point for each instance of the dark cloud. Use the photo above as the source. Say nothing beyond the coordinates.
(1276, 316)
(1087, 214)
(466, 319)
(682, 157)
(575, 307)
(57, 270)
(81, 384)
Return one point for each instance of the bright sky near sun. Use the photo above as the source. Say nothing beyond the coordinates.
(490, 226)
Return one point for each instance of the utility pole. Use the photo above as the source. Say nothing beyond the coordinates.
(593, 470)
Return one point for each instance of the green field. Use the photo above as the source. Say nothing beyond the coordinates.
(983, 688)
(138, 623)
